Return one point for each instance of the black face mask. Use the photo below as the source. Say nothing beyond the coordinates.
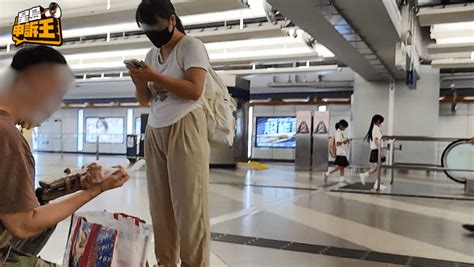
(160, 38)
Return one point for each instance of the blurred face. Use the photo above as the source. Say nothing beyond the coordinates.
(342, 128)
(39, 92)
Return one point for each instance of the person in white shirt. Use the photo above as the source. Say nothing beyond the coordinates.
(341, 152)
(374, 137)
(172, 80)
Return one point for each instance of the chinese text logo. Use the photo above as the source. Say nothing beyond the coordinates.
(39, 26)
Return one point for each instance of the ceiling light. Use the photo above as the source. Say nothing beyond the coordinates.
(441, 98)
(469, 98)
(111, 104)
(110, 54)
(335, 99)
(255, 42)
(100, 30)
(266, 100)
(103, 65)
(453, 33)
(76, 105)
(455, 40)
(262, 53)
(453, 26)
(130, 104)
(322, 108)
(303, 100)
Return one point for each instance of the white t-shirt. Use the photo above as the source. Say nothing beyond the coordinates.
(341, 150)
(166, 108)
(376, 134)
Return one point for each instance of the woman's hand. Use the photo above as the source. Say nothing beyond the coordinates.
(144, 74)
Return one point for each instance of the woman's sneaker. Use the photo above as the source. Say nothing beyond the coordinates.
(325, 177)
(343, 181)
(363, 177)
(382, 187)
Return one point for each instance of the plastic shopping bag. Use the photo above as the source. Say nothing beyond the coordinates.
(90, 244)
(133, 239)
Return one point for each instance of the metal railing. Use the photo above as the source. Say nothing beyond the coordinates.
(393, 165)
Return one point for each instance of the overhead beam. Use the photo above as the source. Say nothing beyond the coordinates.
(448, 14)
(309, 18)
(378, 30)
(280, 70)
(208, 36)
(452, 63)
(219, 62)
(263, 59)
(450, 48)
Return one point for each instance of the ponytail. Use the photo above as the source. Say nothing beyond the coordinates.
(179, 25)
(375, 119)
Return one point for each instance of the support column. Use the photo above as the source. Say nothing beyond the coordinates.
(417, 113)
(369, 98)
(406, 112)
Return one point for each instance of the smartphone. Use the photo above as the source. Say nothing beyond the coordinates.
(133, 64)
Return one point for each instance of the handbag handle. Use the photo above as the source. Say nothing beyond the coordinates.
(137, 220)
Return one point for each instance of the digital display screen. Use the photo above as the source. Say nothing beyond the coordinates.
(276, 132)
(108, 130)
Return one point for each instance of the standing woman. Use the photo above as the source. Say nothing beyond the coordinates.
(177, 151)
(374, 137)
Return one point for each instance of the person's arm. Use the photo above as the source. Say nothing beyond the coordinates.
(189, 88)
(339, 139)
(30, 223)
(376, 141)
(142, 93)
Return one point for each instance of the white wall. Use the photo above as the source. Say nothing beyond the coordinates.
(48, 135)
(369, 98)
(337, 112)
(417, 114)
(458, 125)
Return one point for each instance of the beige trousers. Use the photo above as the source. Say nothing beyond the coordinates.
(177, 166)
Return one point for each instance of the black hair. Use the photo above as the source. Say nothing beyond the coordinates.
(337, 126)
(148, 10)
(35, 55)
(343, 123)
(375, 119)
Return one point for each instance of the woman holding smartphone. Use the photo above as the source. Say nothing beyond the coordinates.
(177, 151)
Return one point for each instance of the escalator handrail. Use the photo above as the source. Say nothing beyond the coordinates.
(444, 157)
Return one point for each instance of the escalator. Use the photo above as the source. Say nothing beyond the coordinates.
(458, 156)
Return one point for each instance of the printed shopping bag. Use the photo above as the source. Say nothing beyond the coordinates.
(133, 239)
(89, 244)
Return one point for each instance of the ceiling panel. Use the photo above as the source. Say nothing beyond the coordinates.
(91, 13)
